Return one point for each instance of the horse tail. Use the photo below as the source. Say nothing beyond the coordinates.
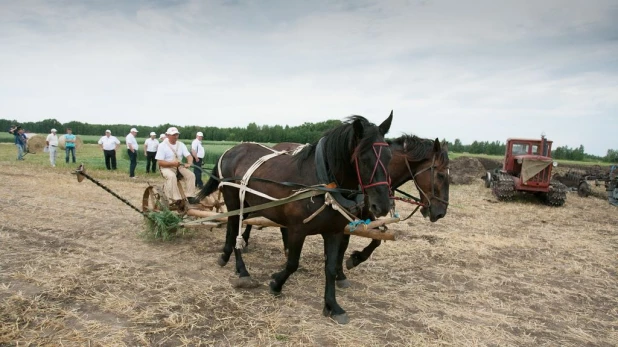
(211, 186)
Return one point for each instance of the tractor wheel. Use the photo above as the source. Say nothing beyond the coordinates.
(557, 194)
(488, 180)
(583, 190)
(504, 187)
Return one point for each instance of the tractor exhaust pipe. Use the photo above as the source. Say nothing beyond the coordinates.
(544, 146)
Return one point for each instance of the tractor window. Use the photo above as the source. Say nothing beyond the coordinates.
(520, 148)
(536, 150)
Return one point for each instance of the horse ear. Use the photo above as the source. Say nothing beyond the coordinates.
(444, 146)
(436, 146)
(386, 125)
(359, 131)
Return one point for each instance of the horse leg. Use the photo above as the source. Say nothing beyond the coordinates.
(245, 236)
(358, 257)
(296, 243)
(332, 244)
(284, 237)
(230, 241)
(341, 279)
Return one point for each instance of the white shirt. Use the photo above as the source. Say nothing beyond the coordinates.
(196, 146)
(151, 145)
(131, 140)
(169, 152)
(52, 139)
(109, 143)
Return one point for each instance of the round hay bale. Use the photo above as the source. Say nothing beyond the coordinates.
(36, 143)
(78, 142)
(466, 170)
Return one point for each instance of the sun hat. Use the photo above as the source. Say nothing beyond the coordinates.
(153, 133)
(162, 136)
(133, 129)
(53, 130)
(172, 131)
(108, 131)
(199, 133)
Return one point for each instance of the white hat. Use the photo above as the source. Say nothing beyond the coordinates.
(133, 129)
(153, 133)
(172, 131)
(162, 136)
(108, 131)
(199, 133)
(53, 130)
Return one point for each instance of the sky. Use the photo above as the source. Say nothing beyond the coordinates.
(472, 70)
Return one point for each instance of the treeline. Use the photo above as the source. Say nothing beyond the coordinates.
(305, 133)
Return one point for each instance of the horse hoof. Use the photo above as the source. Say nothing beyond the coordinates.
(343, 284)
(272, 289)
(349, 264)
(341, 318)
(244, 282)
(221, 262)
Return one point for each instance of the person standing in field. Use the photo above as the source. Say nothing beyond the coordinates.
(20, 140)
(197, 151)
(169, 155)
(150, 151)
(69, 144)
(132, 151)
(109, 144)
(52, 145)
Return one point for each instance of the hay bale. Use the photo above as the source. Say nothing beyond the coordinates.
(466, 170)
(78, 142)
(36, 143)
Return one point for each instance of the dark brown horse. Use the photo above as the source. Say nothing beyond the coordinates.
(424, 161)
(351, 155)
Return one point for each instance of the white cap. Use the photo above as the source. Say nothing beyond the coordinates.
(53, 130)
(162, 136)
(108, 131)
(133, 129)
(199, 133)
(172, 131)
(153, 133)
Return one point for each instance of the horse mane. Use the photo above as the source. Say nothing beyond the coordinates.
(340, 145)
(418, 149)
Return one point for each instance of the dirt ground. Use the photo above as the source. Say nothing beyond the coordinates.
(74, 271)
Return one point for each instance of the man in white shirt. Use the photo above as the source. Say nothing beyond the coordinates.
(52, 145)
(169, 155)
(132, 151)
(109, 144)
(150, 151)
(197, 151)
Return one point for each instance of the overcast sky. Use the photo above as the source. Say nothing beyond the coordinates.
(473, 70)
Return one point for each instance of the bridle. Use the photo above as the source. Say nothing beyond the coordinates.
(378, 153)
(433, 188)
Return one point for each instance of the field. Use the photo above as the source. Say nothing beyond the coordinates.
(75, 271)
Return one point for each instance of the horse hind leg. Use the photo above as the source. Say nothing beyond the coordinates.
(341, 279)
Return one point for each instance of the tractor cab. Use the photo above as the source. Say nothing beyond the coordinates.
(529, 162)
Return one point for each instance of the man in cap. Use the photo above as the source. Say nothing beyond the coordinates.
(52, 145)
(197, 151)
(109, 144)
(150, 151)
(20, 140)
(169, 155)
(132, 151)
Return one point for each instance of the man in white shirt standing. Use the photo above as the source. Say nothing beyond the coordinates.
(169, 155)
(109, 144)
(52, 145)
(150, 151)
(197, 151)
(132, 151)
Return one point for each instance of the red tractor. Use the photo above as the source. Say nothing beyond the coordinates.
(527, 168)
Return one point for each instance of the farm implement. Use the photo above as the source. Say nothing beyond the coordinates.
(209, 213)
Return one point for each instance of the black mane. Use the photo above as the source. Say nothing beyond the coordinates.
(418, 149)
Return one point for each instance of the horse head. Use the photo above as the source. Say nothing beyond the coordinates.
(427, 164)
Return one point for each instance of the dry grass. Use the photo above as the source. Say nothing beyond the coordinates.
(74, 271)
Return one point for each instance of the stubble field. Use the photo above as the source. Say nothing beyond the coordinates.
(75, 271)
